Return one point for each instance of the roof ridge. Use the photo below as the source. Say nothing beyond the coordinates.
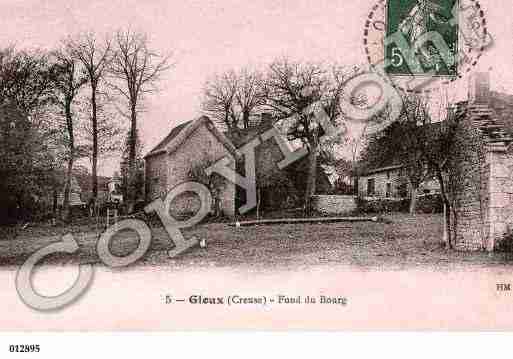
(169, 137)
(181, 132)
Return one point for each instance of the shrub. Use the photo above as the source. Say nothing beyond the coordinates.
(430, 204)
(425, 204)
(381, 205)
(506, 244)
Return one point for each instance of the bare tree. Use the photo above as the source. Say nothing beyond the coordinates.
(249, 96)
(292, 88)
(68, 80)
(137, 184)
(109, 130)
(136, 70)
(440, 159)
(411, 142)
(356, 143)
(95, 57)
(233, 97)
(219, 97)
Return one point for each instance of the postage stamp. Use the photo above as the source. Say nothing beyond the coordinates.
(429, 30)
(422, 45)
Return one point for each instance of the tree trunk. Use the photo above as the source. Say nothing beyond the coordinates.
(66, 208)
(54, 202)
(259, 199)
(445, 235)
(312, 178)
(131, 160)
(446, 240)
(413, 200)
(227, 120)
(356, 185)
(94, 121)
(245, 119)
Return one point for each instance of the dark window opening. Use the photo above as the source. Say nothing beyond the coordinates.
(371, 186)
(389, 190)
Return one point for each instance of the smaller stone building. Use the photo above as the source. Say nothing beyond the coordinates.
(277, 188)
(182, 156)
(391, 182)
(384, 182)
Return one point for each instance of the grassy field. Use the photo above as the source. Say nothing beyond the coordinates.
(402, 242)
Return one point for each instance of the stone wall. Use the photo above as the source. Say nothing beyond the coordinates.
(481, 168)
(468, 187)
(500, 209)
(333, 205)
(482, 192)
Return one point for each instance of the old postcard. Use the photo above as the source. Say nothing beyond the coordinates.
(269, 165)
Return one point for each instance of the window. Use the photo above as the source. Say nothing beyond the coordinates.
(389, 190)
(371, 186)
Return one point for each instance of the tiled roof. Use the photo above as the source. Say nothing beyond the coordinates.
(180, 133)
(381, 169)
(162, 144)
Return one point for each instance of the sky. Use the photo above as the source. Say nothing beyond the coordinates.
(205, 37)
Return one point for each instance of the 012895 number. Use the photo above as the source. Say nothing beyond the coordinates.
(33, 348)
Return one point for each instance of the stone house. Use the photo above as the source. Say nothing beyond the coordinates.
(384, 182)
(481, 168)
(181, 156)
(276, 188)
(193, 146)
(391, 182)
(273, 186)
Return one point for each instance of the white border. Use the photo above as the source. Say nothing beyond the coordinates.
(248, 345)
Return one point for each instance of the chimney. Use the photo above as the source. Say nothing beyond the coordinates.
(479, 88)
